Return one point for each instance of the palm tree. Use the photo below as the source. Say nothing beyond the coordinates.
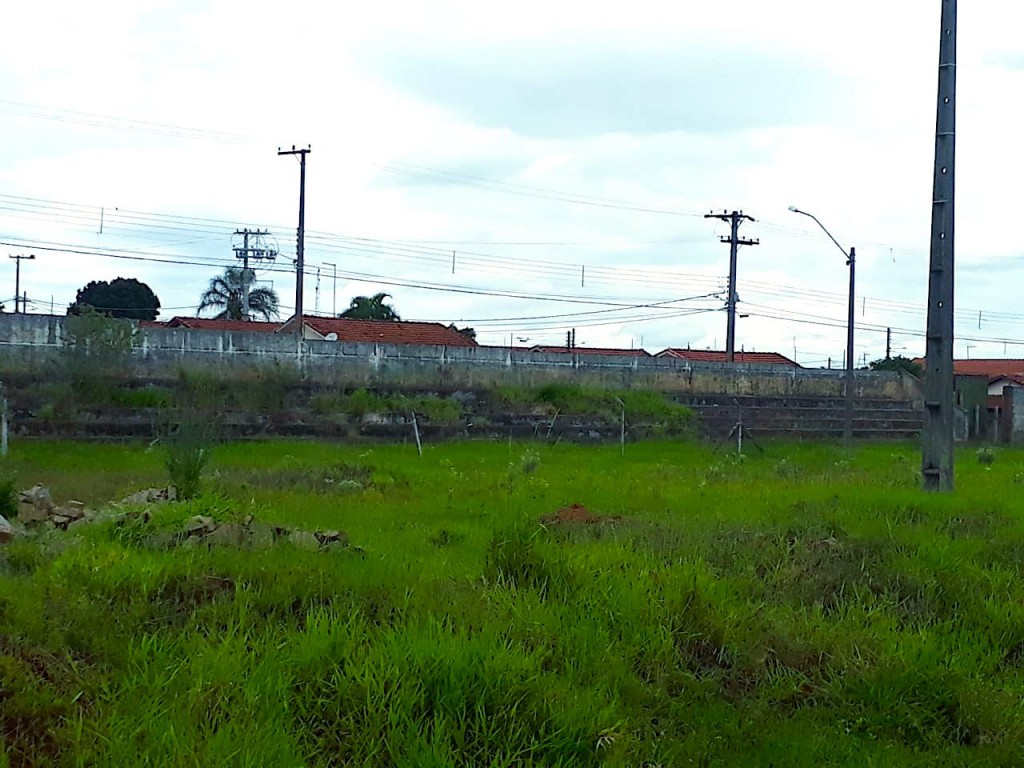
(371, 308)
(227, 293)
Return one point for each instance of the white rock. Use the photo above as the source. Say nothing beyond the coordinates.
(6, 531)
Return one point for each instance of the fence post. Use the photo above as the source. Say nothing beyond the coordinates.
(3, 423)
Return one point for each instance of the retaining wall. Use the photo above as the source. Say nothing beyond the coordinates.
(30, 341)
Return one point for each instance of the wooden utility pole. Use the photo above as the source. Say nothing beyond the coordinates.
(300, 246)
(937, 435)
(734, 219)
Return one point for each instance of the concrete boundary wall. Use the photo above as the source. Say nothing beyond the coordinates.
(28, 341)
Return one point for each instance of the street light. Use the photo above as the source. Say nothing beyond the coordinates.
(851, 260)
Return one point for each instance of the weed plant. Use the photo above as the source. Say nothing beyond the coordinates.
(806, 606)
(641, 406)
(188, 441)
(360, 402)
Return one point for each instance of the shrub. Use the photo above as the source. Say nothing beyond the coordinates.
(436, 410)
(985, 455)
(327, 403)
(362, 402)
(96, 349)
(8, 498)
(274, 383)
(142, 397)
(646, 406)
(202, 390)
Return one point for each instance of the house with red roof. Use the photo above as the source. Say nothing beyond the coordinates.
(991, 367)
(317, 328)
(1000, 372)
(980, 383)
(211, 324)
(718, 356)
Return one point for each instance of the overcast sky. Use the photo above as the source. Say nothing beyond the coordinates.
(560, 149)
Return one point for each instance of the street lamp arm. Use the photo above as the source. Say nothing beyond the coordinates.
(848, 254)
(848, 385)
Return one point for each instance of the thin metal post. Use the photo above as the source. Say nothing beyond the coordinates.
(416, 432)
(3, 427)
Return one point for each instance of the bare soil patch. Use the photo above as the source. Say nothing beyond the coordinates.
(576, 514)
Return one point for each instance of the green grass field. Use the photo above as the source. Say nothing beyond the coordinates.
(806, 606)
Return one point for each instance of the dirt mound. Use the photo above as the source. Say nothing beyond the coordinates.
(577, 513)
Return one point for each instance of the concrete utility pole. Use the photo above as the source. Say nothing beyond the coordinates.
(300, 247)
(17, 280)
(734, 219)
(259, 251)
(334, 289)
(937, 435)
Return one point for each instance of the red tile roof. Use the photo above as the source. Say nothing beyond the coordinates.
(592, 351)
(717, 356)
(388, 332)
(990, 367)
(1016, 378)
(210, 324)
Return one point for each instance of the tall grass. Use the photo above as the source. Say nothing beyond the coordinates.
(808, 606)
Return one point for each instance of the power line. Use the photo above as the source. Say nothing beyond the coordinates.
(370, 248)
(360, 276)
(525, 190)
(89, 215)
(36, 111)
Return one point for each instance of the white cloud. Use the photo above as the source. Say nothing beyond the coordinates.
(685, 107)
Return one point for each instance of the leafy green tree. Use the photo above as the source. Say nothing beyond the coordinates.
(371, 308)
(97, 349)
(898, 363)
(124, 298)
(469, 333)
(226, 293)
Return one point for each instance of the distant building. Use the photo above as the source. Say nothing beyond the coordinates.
(378, 331)
(979, 388)
(210, 324)
(315, 328)
(718, 356)
(991, 367)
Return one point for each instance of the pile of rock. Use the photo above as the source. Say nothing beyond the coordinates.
(36, 508)
(150, 496)
(251, 533)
